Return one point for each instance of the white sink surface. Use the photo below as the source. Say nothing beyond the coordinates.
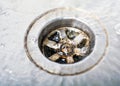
(17, 70)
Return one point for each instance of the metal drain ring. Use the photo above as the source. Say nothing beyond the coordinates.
(34, 30)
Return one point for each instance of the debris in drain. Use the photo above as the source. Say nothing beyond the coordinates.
(67, 49)
(71, 34)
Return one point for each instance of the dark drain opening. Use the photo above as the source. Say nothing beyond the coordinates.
(65, 41)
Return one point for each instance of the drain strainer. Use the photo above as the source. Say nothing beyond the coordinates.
(66, 41)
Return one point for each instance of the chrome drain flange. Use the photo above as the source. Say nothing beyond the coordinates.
(66, 41)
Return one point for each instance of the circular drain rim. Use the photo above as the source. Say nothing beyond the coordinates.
(31, 49)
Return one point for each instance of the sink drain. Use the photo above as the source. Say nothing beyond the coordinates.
(66, 41)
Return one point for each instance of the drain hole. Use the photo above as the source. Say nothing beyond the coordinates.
(82, 43)
(49, 51)
(64, 41)
(55, 37)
